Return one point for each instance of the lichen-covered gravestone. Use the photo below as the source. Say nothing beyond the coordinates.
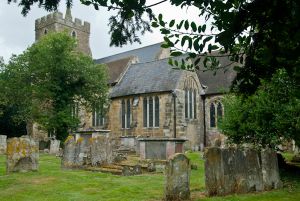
(233, 170)
(22, 155)
(101, 150)
(68, 159)
(3, 144)
(177, 178)
(54, 146)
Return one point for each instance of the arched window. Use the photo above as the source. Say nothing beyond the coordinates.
(156, 111)
(219, 111)
(212, 115)
(190, 104)
(45, 31)
(98, 116)
(195, 105)
(73, 34)
(186, 104)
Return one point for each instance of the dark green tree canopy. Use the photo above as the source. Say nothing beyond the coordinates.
(44, 82)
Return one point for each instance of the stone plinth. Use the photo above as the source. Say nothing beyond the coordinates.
(231, 170)
(22, 155)
(128, 141)
(54, 146)
(177, 178)
(160, 148)
(3, 144)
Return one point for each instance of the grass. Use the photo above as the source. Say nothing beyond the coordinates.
(52, 183)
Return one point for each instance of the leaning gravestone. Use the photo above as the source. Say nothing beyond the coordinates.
(68, 159)
(101, 150)
(22, 155)
(54, 146)
(3, 144)
(177, 178)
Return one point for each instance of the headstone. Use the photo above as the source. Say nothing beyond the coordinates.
(54, 146)
(233, 170)
(270, 170)
(22, 155)
(101, 150)
(177, 178)
(68, 159)
(3, 144)
(80, 152)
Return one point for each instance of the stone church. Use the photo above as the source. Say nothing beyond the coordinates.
(148, 97)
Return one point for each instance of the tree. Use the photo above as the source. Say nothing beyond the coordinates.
(267, 118)
(45, 80)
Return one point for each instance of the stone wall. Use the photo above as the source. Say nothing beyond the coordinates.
(177, 185)
(231, 170)
(3, 144)
(22, 155)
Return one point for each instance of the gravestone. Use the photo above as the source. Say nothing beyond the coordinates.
(22, 155)
(101, 150)
(3, 144)
(80, 152)
(68, 159)
(177, 185)
(233, 170)
(54, 147)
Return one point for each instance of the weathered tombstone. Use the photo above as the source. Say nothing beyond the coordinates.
(101, 150)
(22, 155)
(177, 178)
(3, 144)
(270, 170)
(68, 159)
(80, 152)
(54, 146)
(232, 170)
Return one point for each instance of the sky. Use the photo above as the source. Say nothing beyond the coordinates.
(17, 32)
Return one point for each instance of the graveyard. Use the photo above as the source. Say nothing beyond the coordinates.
(53, 183)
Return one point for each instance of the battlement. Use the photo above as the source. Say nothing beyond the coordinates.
(57, 17)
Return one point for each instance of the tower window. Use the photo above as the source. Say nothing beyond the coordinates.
(73, 34)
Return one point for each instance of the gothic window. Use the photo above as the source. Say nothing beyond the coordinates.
(212, 115)
(75, 110)
(98, 117)
(151, 112)
(186, 106)
(73, 34)
(190, 103)
(216, 113)
(195, 105)
(219, 111)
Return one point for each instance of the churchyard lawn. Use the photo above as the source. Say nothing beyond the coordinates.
(52, 183)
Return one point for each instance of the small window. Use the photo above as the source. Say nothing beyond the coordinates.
(73, 34)
(190, 106)
(219, 111)
(195, 105)
(45, 31)
(212, 115)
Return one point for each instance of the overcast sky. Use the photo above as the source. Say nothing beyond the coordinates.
(17, 32)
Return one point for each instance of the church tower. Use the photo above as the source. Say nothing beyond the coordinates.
(55, 22)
